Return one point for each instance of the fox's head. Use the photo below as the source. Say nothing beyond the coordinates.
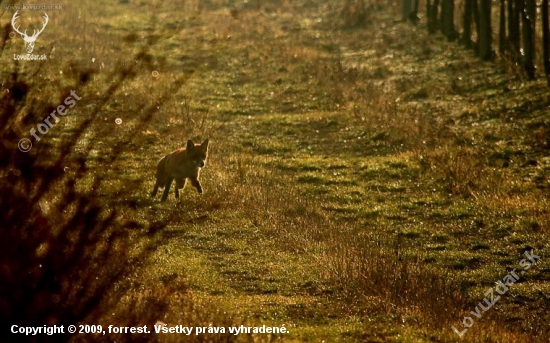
(197, 153)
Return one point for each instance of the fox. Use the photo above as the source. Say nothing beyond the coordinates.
(180, 165)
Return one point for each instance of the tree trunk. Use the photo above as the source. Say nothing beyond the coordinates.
(467, 24)
(513, 25)
(485, 34)
(515, 7)
(414, 14)
(415, 7)
(447, 19)
(475, 7)
(528, 35)
(406, 9)
(428, 14)
(546, 40)
(433, 10)
(502, 28)
(410, 10)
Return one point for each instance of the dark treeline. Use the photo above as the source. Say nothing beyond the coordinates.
(519, 39)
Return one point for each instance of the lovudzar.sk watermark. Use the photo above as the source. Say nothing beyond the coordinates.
(28, 40)
(33, 7)
(501, 288)
(25, 144)
(29, 57)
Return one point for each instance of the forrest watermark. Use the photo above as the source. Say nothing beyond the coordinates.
(25, 144)
(500, 288)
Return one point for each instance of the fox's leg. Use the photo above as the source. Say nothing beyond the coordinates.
(166, 190)
(160, 178)
(158, 184)
(155, 190)
(179, 185)
(197, 185)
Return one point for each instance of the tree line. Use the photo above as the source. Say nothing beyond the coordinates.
(519, 36)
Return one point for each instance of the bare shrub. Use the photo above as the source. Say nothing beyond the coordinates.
(463, 170)
(380, 268)
(70, 253)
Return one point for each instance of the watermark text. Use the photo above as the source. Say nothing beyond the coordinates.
(33, 7)
(25, 144)
(492, 295)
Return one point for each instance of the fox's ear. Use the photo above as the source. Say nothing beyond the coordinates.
(204, 144)
(190, 145)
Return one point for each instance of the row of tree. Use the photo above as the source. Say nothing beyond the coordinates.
(517, 28)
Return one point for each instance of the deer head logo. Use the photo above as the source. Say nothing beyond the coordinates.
(29, 41)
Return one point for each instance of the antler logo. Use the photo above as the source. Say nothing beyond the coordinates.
(29, 41)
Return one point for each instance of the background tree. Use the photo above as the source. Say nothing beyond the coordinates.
(432, 9)
(528, 37)
(502, 27)
(514, 8)
(467, 24)
(485, 32)
(546, 40)
(447, 19)
(410, 10)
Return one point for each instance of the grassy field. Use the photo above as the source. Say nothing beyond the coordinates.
(366, 182)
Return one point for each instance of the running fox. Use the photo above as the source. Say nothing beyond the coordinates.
(181, 165)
